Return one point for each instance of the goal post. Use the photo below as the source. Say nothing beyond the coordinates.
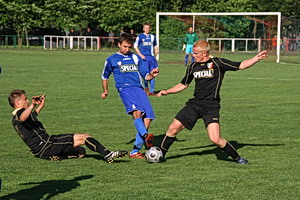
(278, 14)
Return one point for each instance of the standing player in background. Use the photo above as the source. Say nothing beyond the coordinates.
(129, 72)
(145, 45)
(190, 39)
(208, 73)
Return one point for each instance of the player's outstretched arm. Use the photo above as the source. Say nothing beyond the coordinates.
(175, 89)
(248, 63)
(154, 73)
(105, 89)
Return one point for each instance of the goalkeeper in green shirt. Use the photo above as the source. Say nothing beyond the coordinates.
(190, 39)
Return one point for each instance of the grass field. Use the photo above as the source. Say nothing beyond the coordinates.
(260, 115)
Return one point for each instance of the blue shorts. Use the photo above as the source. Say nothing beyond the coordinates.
(151, 62)
(189, 49)
(135, 98)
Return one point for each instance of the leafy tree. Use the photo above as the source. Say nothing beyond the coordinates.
(21, 16)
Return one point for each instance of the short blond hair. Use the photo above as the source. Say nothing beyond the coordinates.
(203, 45)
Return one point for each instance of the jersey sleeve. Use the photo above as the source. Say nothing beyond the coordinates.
(187, 79)
(19, 112)
(142, 65)
(196, 38)
(228, 65)
(106, 70)
(136, 43)
(154, 41)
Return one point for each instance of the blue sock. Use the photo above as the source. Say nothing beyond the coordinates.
(186, 59)
(152, 86)
(138, 144)
(139, 139)
(146, 84)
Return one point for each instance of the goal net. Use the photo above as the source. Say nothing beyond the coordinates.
(226, 32)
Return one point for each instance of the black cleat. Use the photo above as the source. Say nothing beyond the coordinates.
(242, 161)
(109, 158)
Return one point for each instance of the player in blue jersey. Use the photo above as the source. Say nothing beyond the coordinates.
(129, 72)
(145, 45)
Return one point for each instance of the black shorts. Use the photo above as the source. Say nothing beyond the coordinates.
(196, 109)
(58, 145)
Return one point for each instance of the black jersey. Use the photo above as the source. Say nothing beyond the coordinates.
(31, 131)
(208, 77)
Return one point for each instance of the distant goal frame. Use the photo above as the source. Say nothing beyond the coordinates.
(278, 14)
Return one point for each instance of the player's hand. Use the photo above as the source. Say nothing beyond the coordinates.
(155, 72)
(183, 47)
(156, 52)
(37, 100)
(143, 57)
(104, 95)
(162, 92)
(262, 55)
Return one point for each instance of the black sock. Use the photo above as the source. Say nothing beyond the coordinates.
(94, 145)
(229, 149)
(166, 143)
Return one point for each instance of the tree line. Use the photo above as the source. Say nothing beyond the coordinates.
(22, 16)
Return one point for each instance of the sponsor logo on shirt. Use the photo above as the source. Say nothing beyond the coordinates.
(207, 73)
(147, 43)
(128, 68)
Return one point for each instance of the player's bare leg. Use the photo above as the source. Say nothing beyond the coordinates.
(170, 136)
(214, 135)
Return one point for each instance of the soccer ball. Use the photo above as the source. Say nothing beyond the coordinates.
(154, 155)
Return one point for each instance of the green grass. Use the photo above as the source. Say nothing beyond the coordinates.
(259, 115)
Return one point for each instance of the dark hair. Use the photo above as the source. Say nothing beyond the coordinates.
(126, 37)
(14, 95)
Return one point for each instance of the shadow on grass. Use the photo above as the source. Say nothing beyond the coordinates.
(46, 189)
(157, 140)
(218, 152)
(99, 157)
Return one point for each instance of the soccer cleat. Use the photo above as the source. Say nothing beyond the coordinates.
(109, 158)
(152, 94)
(149, 140)
(242, 161)
(137, 155)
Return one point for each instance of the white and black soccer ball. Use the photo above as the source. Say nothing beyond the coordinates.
(154, 155)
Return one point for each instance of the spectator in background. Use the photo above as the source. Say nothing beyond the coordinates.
(72, 42)
(274, 42)
(88, 32)
(72, 32)
(285, 43)
(132, 33)
(111, 40)
(298, 42)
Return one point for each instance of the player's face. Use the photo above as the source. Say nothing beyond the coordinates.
(146, 29)
(22, 102)
(200, 56)
(191, 29)
(124, 47)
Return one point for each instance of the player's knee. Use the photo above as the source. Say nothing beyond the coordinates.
(216, 140)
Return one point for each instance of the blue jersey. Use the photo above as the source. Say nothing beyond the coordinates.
(145, 43)
(128, 70)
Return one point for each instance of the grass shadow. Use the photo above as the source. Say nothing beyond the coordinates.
(218, 152)
(46, 189)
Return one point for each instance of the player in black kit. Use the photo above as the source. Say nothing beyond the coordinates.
(208, 73)
(53, 147)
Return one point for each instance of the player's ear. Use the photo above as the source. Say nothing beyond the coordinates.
(119, 44)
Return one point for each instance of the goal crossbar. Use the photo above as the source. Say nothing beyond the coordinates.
(278, 14)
